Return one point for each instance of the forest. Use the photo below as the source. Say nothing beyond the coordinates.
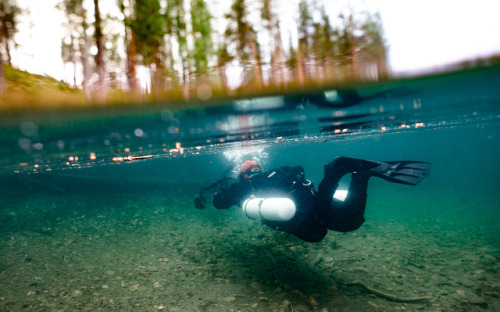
(187, 49)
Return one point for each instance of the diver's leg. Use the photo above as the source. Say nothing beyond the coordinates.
(334, 171)
(347, 215)
(311, 231)
(342, 165)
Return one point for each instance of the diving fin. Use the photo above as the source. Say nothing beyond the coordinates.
(403, 172)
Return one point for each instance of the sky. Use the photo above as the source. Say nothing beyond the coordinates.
(430, 33)
(421, 34)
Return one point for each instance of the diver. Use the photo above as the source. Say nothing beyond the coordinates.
(283, 199)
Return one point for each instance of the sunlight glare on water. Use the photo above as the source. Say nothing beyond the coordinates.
(54, 140)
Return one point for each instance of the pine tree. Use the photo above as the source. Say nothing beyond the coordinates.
(3, 83)
(372, 43)
(99, 58)
(223, 58)
(177, 29)
(242, 33)
(305, 29)
(277, 54)
(78, 46)
(149, 30)
(367, 45)
(130, 45)
(323, 45)
(202, 36)
(8, 25)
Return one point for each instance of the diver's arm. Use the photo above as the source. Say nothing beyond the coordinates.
(228, 197)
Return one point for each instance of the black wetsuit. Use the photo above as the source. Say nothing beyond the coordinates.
(316, 212)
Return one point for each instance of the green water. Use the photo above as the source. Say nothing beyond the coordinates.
(102, 235)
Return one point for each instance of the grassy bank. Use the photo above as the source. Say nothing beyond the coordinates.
(26, 91)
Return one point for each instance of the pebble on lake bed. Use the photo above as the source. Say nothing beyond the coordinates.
(76, 293)
(133, 287)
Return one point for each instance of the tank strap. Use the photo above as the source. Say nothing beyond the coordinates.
(245, 208)
(260, 206)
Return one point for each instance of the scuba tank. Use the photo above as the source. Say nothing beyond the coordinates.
(269, 209)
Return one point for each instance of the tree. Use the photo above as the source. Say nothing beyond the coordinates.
(8, 22)
(149, 29)
(320, 47)
(8, 25)
(130, 45)
(223, 58)
(115, 62)
(323, 44)
(202, 36)
(99, 59)
(367, 45)
(277, 54)
(305, 28)
(3, 83)
(78, 41)
(372, 42)
(242, 33)
(177, 29)
(69, 55)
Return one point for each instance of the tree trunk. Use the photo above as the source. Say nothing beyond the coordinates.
(3, 83)
(86, 68)
(255, 56)
(4, 39)
(354, 52)
(101, 67)
(157, 79)
(84, 50)
(272, 43)
(281, 57)
(130, 49)
(300, 66)
(187, 83)
(382, 68)
(278, 56)
(72, 53)
(221, 69)
(131, 61)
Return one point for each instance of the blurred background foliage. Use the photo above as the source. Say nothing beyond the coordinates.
(161, 50)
